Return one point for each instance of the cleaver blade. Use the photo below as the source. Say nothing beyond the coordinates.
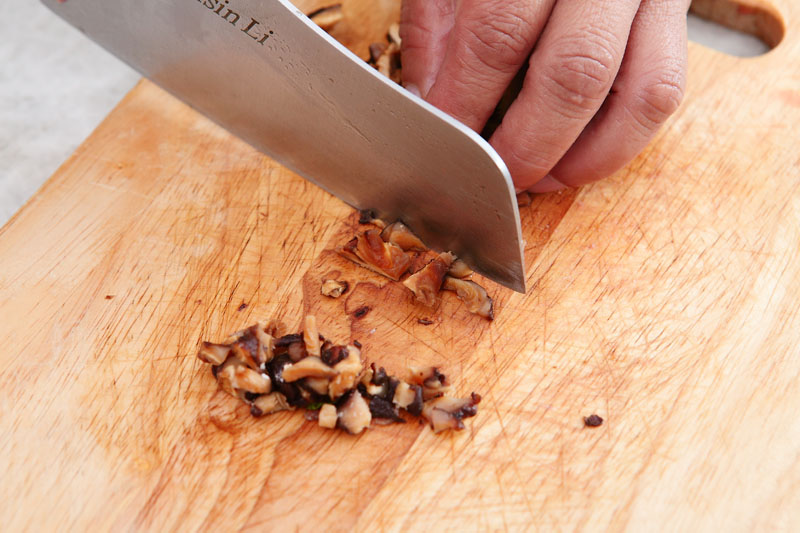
(265, 72)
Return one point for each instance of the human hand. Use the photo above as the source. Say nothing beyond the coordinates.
(604, 76)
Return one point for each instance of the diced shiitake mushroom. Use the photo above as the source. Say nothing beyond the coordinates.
(268, 404)
(433, 382)
(318, 385)
(399, 234)
(348, 371)
(459, 269)
(367, 216)
(214, 354)
(408, 397)
(311, 336)
(237, 379)
(370, 251)
(427, 283)
(333, 288)
(473, 295)
(354, 415)
(447, 413)
(328, 416)
(327, 17)
(310, 367)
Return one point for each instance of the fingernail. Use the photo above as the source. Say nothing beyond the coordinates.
(546, 184)
(412, 88)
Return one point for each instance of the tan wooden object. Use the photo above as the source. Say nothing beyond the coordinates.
(664, 299)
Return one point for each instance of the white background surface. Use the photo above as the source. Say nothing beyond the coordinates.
(56, 86)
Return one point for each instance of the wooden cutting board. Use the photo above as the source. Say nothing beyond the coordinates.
(665, 299)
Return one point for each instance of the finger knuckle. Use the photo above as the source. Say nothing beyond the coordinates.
(501, 42)
(583, 72)
(660, 97)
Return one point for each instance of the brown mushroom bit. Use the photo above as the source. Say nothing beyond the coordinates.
(311, 336)
(327, 17)
(386, 56)
(376, 50)
(447, 413)
(459, 269)
(267, 404)
(367, 216)
(399, 234)
(473, 295)
(370, 251)
(274, 373)
(328, 416)
(334, 288)
(354, 415)
(427, 283)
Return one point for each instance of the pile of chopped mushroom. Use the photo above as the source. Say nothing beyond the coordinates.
(272, 372)
(393, 250)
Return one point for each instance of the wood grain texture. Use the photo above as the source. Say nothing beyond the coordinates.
(663, 299)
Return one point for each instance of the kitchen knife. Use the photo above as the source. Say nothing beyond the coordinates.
(265, 72)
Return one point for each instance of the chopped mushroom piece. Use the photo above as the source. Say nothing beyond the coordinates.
(331, 355)
(348, 370)
(447, 413)
(333, 288)
(459, 269)
(427, 283)
(389, 64)
(380, 408)
(367, 216)
(399, 234)
(297, 351)
(393, 35)
(473, 295)
(327, 17)
(370, 251)
(214, 354)
(328, 416)
(355, 415)
(311, 336)
(268, 404)
(403, 395)
(249, 380)
(433, 382)
(310, 367)
(376, 50)
(318, 385)
(237, 379)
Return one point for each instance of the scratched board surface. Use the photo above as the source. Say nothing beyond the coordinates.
(663, 299)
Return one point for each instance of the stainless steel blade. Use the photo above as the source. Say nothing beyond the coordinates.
(265, 72)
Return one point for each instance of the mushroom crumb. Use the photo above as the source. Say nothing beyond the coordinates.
(592, 421)
(372, 252)
(327, 17)
(473, 295)
(274, 372)
(459, 269)
(328, 416)
(333, 288)
(367, 216)
(399, 234)
(427, 283)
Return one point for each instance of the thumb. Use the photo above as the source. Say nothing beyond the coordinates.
(424, 29)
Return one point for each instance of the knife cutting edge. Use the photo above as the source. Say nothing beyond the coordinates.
(265, 72)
